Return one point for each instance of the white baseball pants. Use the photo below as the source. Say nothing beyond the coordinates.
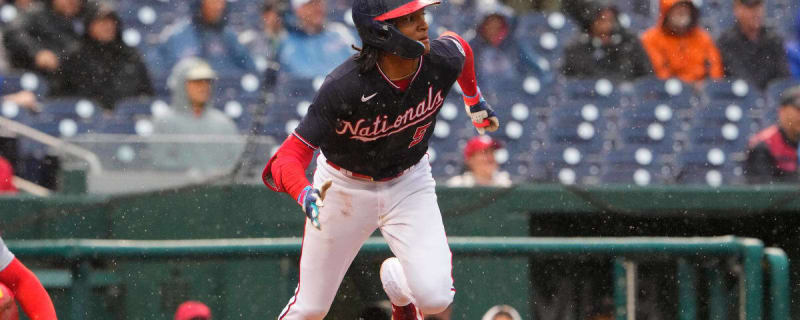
(405, 210)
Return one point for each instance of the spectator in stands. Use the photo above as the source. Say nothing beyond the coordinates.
(204, 36)
(481, 167)
(40, 39)
(605, 48)
(193, 310)
(749, 49)
(6, 177)
(793, 48)
(502, 312)
(103, 67)
(191, 113)
(503, 58)
(313, 48)
(772, 154)
(678, 47)
(264, 45)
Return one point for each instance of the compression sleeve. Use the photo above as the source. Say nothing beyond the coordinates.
(28, 291)
(467, 80)
(286, 170)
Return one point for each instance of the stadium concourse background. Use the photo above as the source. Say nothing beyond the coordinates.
(252, 288)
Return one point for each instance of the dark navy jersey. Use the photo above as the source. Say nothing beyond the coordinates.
(365, 124)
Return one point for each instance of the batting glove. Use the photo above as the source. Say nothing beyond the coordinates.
(311, 200)
(483, 117)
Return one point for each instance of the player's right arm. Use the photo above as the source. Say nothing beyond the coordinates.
(285, 171)
(27, 289)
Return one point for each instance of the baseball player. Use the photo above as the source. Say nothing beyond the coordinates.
(26, 289)
(372, 119)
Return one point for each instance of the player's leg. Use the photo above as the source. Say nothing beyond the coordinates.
(327, 253)
(415, 233)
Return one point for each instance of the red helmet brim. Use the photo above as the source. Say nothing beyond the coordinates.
(405, 9)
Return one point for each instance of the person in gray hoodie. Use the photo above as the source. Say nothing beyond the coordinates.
(192, 116)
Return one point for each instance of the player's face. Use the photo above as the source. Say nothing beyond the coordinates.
(198, 91)
(415, 27)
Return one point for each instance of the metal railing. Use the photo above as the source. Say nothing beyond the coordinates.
(750, 253)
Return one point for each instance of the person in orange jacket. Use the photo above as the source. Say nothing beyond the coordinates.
(679, 48)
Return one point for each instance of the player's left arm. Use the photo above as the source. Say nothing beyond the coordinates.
(481, 113)
(28, 291)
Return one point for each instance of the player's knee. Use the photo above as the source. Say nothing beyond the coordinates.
(434, 300)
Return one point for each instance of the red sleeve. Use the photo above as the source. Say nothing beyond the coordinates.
(467, 80)
(286, 170)
(6, 177)
(28, 291)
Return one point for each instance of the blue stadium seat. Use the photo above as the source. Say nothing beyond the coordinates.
(729, 136)
(29, 81)
(79, 109)
(530, 90)
(138, 107)
(591, 89)
(721, 112)
(656, 135)
(636, 164)
(672, 91)
(564, 164)
(234, 84)
(732, 90)
(144, 20)
(649, 112)
(14, 112)
(708, 166)
(240, 110)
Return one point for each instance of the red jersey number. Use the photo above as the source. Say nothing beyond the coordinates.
(419, 134)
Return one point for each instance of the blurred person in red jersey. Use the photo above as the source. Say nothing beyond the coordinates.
(481, 167)
(772, 154)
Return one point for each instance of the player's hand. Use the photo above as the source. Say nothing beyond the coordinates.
(312, 199)
(483, 117)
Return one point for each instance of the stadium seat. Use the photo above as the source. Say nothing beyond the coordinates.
(564, 164)
(591, 89)
(672, 91)
(708, 166)
(641, 176)
(138, 107)
(656, 135)
(29, 81)
(721, 112)
(732, 90)
(234, 84)
(649, 112)
(240, 110)
(729, 136)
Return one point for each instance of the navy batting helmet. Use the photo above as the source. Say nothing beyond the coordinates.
(370, 18)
